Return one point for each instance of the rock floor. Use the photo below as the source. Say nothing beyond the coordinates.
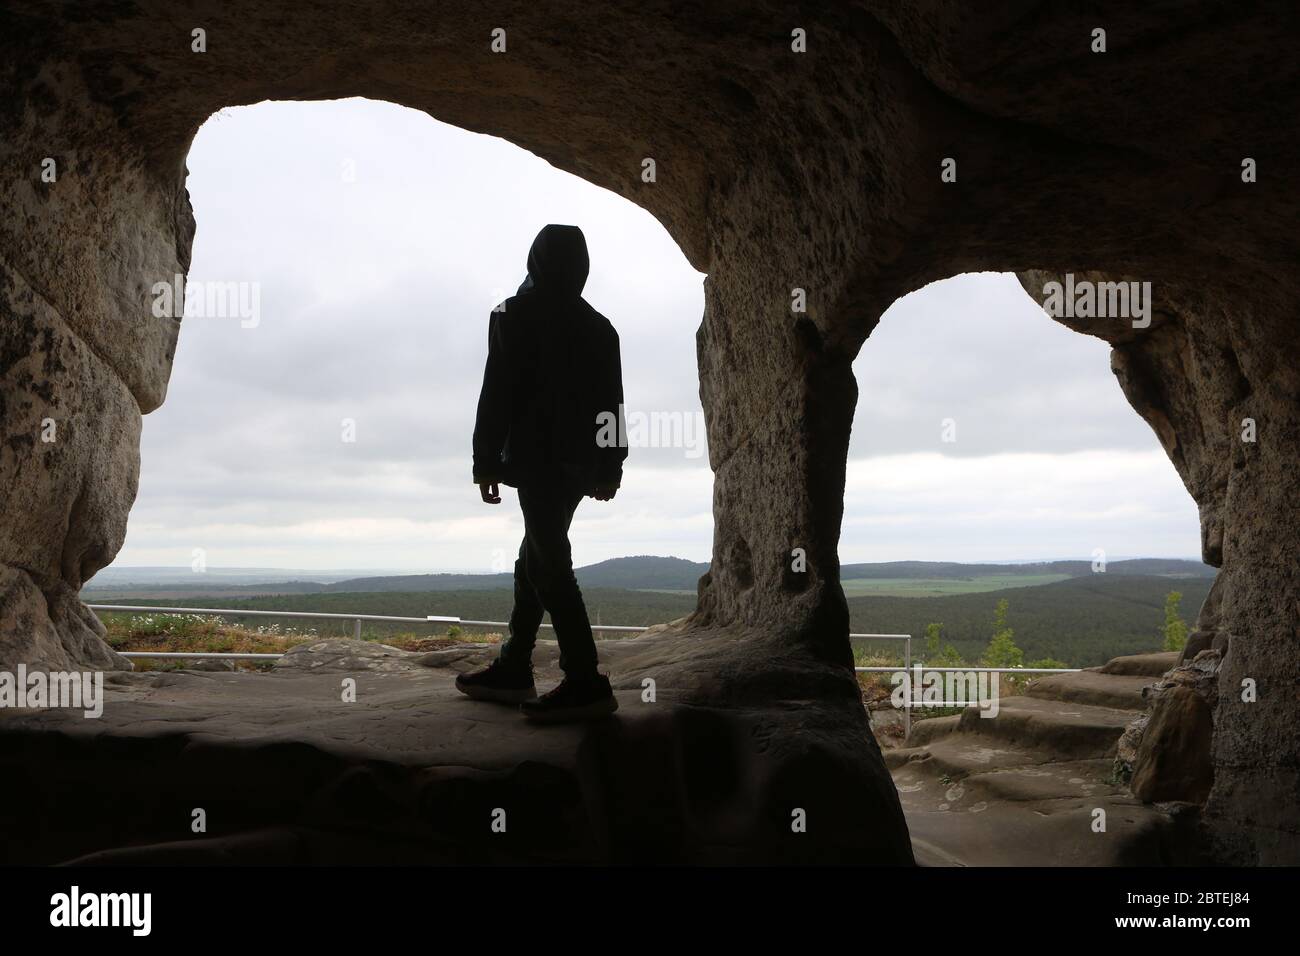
(1032, 786)
(280, 769)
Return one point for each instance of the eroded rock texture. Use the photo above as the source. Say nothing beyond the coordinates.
(776, 171)
(1218, 378)
(413, 772)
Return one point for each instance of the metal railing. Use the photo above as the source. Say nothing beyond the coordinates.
(907, 666)
(449, 619)
(313, 615)
(908, 703)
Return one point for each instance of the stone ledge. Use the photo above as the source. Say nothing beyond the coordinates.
(412, 771)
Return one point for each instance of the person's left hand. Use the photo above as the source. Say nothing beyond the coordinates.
(491, 494)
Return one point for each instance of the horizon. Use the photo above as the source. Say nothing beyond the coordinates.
(384, 572)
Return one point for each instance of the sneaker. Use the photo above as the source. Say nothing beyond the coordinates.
(505, 683)
(573, 700)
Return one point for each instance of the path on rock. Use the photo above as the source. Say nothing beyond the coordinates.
(1023, 788)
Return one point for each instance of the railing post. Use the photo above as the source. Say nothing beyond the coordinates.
(907, 699)
(356, 631)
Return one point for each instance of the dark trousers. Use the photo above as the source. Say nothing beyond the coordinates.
(544, 581)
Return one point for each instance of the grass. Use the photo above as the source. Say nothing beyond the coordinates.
(876, 686)
(920, 587)
(211, 634)
(939, 587)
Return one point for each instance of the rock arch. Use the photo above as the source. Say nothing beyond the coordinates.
(775, 170)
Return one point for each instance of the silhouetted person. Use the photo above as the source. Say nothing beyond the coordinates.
(550, 423)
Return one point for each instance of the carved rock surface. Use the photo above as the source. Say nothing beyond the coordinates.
(776, 170)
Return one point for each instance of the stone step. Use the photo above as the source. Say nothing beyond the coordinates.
(1036, 775)
(961, 754)
(949, 776)
(1092, 686)
(1058, 832)
(1056, 728)
(931, 728)
(1145, 665)
(959, 790)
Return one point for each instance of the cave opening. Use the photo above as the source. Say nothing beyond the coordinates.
(1006, 507)
(817, 168)
(346, 257)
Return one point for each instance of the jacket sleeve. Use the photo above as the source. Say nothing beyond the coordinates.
(610, 458)
(493, 421)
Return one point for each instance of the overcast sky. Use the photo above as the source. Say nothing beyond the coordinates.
(378, 239)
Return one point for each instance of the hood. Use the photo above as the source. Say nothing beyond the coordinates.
(557, 262)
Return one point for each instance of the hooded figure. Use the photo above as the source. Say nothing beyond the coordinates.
(550, 422)
(553, 387)
(557, 262)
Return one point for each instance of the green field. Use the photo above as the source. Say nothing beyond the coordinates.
(920, 587)
(939, 587)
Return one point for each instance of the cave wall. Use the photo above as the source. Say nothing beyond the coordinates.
(1208, 367)
(776, 170)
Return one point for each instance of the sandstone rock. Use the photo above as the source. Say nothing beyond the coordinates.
(777, 171)
(1173, 761)
(69, 463)
(1199, 675)
(411, 772)
(1167, 772)
(1197, 641)
(345, 655)
(214, 666)
(51, 630)
(1141, 665)
(1126, 750)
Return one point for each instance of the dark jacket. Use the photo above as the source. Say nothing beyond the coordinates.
(552, 398)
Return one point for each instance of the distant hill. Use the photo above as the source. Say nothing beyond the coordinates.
(646, 572)
(638, 572)
(144, 576)
(1083, 621)
(643, 571)
(653, 573)
(1176, 567)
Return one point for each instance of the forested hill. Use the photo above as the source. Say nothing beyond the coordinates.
(949, 569)
(638, 572)
(1083, 621)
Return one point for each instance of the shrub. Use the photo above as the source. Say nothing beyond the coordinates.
(1175, 628)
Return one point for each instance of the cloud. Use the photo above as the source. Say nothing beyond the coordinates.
(379, 239)
(1016, 506)
(977, 350)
